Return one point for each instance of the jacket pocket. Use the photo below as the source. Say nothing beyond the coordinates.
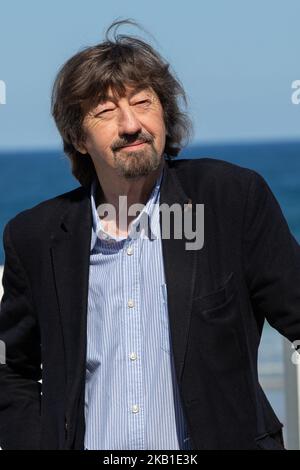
(217, 330)
(219, 304)
(271, 441)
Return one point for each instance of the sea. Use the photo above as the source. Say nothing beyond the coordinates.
(29, 177)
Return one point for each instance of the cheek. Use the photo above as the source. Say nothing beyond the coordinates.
(98, 139)
(162, 127)
(161, 133)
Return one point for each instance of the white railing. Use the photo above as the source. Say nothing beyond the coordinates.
(292, 396)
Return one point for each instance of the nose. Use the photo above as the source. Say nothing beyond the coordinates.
(128, 121)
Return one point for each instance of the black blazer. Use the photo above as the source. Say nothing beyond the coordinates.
(218, 296)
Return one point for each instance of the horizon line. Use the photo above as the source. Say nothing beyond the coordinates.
(197, 144)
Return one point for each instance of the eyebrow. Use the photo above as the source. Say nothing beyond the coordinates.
(135, 91)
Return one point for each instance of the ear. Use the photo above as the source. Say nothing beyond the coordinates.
(81, 148)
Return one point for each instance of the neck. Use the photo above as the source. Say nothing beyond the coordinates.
(136, 191)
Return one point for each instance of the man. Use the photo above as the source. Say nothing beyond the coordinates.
(144, 344)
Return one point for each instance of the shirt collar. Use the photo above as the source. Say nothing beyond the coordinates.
(145, 216)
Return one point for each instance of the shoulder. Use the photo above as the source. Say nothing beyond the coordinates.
(214, 176)
(209, 166)
(38, 220)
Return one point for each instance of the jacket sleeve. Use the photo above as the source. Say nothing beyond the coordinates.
(271, 260)
(20, 370)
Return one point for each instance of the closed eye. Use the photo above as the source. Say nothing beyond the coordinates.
(104, 111)
(146, 101)
(142, 102)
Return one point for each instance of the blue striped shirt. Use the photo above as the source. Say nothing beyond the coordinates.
(131, 394)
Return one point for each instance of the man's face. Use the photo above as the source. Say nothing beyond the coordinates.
(127, 134)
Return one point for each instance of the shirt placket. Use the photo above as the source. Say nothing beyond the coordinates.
(133, 343)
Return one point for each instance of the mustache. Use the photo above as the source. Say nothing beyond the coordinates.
(132, 140)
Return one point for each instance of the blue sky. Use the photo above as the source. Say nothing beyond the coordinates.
(236, 59)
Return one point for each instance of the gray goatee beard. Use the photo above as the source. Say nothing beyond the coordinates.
(137, 163)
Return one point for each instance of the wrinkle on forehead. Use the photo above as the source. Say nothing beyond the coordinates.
(117, 91)
(112, 93)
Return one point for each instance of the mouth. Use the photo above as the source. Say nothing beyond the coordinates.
(132, 146)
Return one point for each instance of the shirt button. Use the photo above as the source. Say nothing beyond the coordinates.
(135, 409)
(130, 303)
(133, 356)
(130, 250)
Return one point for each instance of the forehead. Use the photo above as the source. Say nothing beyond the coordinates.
(116, 93)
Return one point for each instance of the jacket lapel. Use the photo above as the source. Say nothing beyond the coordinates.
(180, 269)
(70, 252)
